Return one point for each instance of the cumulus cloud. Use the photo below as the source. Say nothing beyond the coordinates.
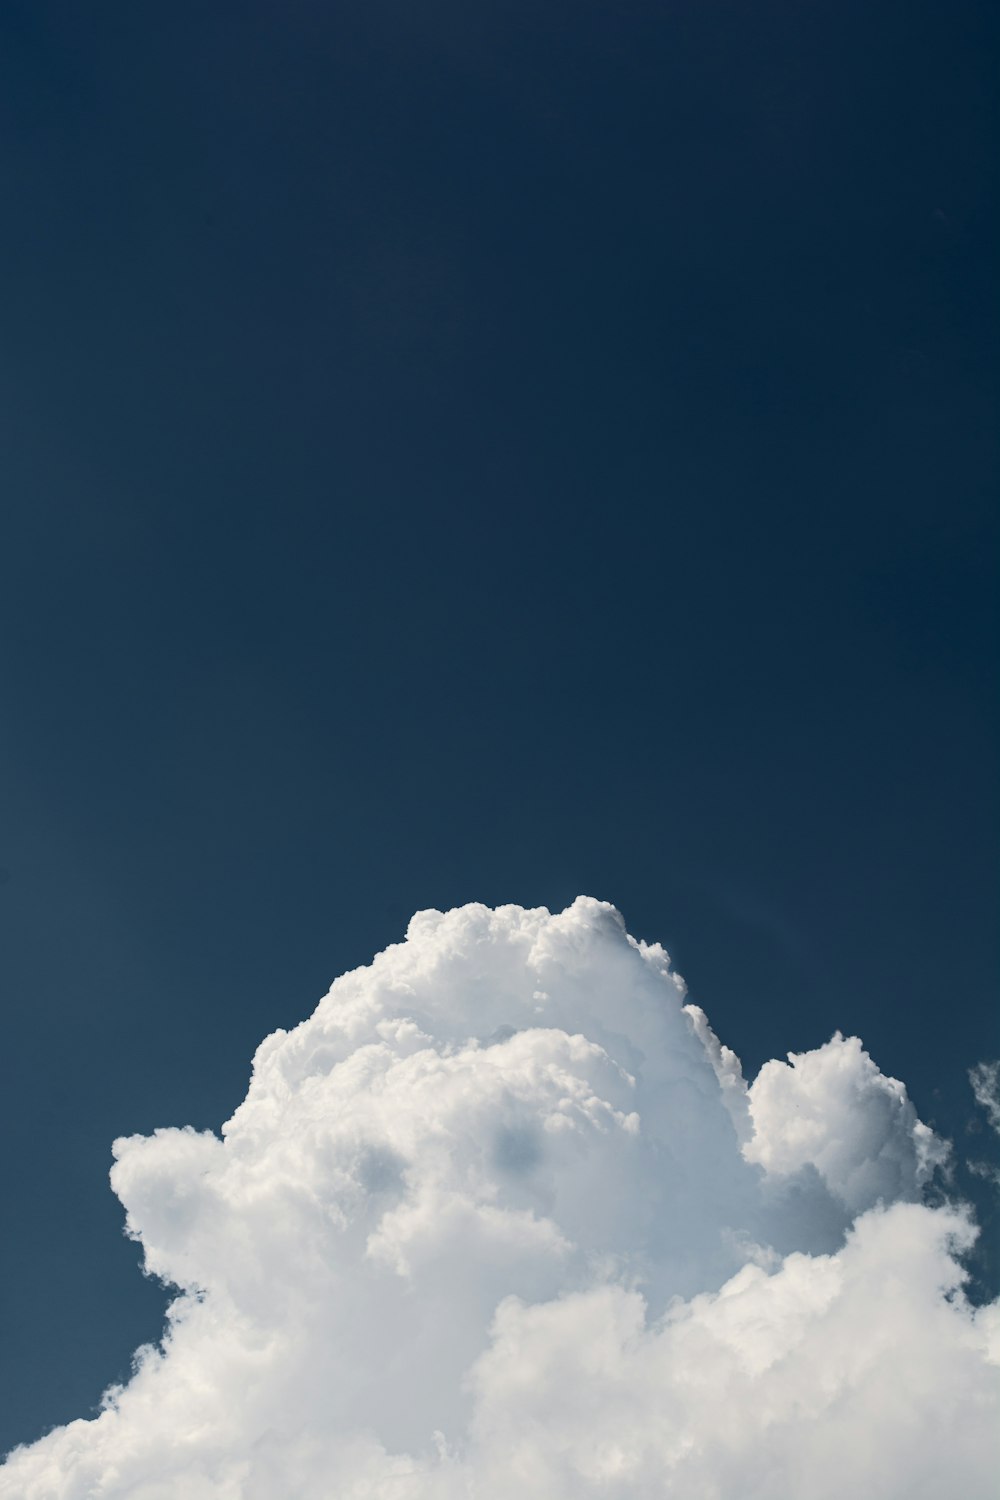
(833, 1109)
(503, 1217)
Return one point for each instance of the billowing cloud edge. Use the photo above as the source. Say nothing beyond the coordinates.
(504, 1216)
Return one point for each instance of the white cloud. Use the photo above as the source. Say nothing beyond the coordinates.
(834, 1110)
(503, 1218)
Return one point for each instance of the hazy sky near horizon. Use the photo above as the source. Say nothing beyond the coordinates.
(479, 452)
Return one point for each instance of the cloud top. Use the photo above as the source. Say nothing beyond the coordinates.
(502, 1216)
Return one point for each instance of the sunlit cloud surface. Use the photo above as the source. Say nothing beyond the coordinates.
(503, 1218)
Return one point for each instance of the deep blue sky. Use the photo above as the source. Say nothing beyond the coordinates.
(480, 449)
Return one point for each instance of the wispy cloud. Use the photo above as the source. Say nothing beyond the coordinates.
(985, 1080)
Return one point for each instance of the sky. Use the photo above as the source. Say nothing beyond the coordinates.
(480, 454)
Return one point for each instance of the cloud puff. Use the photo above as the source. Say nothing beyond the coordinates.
(503, 1217)
(833, 1109)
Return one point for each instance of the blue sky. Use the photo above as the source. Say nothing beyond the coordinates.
(479, 453)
